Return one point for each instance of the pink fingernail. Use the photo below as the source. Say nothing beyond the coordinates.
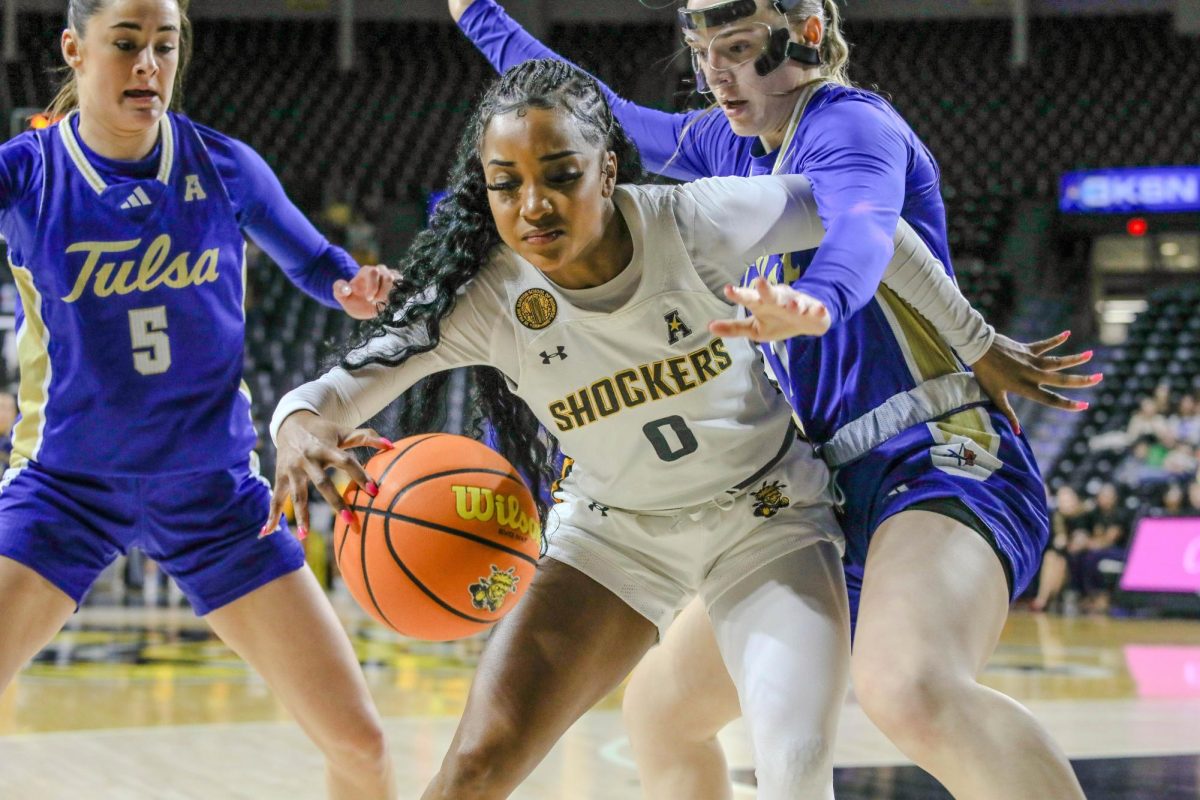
(266, 531)
(301, 533)
(1066, 333)
(1099, 376)
(1088, 354)
(387, 443)
(347, 516)
(1081, 406)
(372, 488)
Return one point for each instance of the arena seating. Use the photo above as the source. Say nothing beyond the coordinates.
(1163, 348)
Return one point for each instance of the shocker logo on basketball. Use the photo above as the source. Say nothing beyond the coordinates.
(676, 328)
(536, 308)
(492, 591)
(770, 499)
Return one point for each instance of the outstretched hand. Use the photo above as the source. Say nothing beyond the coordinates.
(778, 312)
(309, 446)
(365, 294)
(459, 7)
(1027, 369)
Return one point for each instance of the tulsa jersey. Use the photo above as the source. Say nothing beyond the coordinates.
(130, 327)
(655, 411)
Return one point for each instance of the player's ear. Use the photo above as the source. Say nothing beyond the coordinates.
(70, 48)
(610, 173)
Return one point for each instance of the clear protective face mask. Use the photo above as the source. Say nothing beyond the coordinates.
(742, 42)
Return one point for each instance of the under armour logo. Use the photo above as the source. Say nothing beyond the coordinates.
(561, 354)
(676, 328)
(594, 506)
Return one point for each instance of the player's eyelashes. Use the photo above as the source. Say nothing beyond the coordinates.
(511, 186)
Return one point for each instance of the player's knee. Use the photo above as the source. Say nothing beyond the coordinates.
(361, 750)
(793, 765)
(477, 770)
(907, 701)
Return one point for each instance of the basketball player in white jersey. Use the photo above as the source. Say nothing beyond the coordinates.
(588, 299)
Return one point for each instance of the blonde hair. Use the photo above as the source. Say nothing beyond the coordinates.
(835, 51)
(79, 13)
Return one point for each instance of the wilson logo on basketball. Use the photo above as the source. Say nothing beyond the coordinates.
(477, 503)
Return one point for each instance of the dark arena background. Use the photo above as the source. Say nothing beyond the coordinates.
(1068, 136)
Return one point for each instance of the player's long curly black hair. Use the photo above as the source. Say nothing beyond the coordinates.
(448, 255)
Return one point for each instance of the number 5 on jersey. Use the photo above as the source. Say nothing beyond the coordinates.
(151, 345)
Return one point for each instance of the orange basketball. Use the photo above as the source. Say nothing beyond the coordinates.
(450, 543)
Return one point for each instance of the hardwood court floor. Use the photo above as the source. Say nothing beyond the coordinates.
(133, 704)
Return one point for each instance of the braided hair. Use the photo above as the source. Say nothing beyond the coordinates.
(446, 257)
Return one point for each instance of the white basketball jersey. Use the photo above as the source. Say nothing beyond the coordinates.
(656, 412)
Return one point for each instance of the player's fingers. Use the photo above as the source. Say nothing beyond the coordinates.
(762, 289)
(1064, 380)
(278, 496)
(349, 465)
(732, 327)
(742, 296)
(1055, 400)
(1046, 345)
(1056, 363)
(1009, 413)
(325, 488)
(300, 508)
(364, 437)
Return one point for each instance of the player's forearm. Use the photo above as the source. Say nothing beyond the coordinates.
(921, 281)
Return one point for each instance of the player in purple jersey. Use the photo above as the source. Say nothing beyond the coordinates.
(125, 228)
(937, 481)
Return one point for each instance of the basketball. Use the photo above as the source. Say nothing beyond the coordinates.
(449, 544)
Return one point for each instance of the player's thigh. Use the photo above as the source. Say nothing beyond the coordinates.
(683, 683)
(934, 593)
(289, 633)
(567, 644)
(202, 530)
(34, 610)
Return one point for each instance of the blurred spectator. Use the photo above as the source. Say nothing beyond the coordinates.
(1162, 398)
(1108, 540)
(1143, 464)
(1147, 421)
(1069, 529)
(1172, 501)
(1191, 502)
(1178, 458)
(1185, 423)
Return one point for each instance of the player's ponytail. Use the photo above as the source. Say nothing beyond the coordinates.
(79, 13)
(446, 257)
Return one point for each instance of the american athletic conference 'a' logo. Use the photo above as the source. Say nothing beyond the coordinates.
(676, 328)
(492, 591)
(536, 308)
(770, 499)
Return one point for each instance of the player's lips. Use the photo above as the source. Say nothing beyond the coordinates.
(732, 105)
(141, 94)
(543, 236)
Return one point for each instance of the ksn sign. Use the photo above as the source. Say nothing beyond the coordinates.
(1164, 556)
(1167, 190)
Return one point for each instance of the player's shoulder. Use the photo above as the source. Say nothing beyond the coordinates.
(219, 144)
(852, 104)
(21, 162)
